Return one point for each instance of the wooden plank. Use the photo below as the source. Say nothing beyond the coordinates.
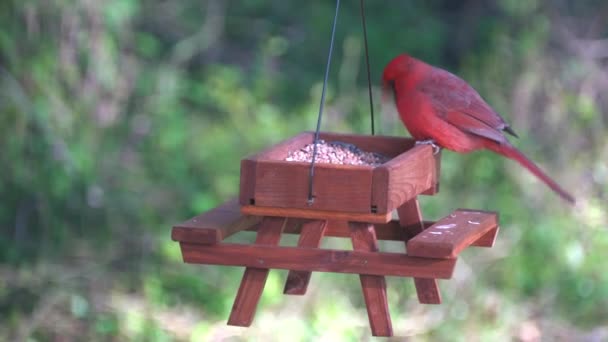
(452, 234)
(336, 228)
(488, 239)
(315, 214)
(410, 216)
(318, 260)
(385, 145)
(436, 176)
(278, 151)
(254, 278)
(312, 233)
(247, 182)
(389, 146)
(286, 184)
(380, 184)
(228, 219)
(278, 183)
(281, 150)
(390, 231)
(363, 238)
(409, 174)
(427, 290)
(214, 225)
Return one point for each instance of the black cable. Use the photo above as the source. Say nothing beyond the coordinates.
(369, 78)
(314, 151)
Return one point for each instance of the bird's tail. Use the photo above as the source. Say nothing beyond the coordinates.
(511, 152)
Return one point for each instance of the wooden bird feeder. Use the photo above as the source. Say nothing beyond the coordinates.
(353, 202)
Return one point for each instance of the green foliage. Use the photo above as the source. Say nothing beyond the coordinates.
(120, 118)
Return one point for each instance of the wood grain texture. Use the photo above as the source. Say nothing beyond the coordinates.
(407, 176)
(488, 239)
(280, 150)
(427, 291)
(452, 234)
(315, 214)
(247, 182)
(317, 260)
(254, 278)
(385, 145)
(363, 237)
(380, 191)
(310, 237)
(410, 216)
(343, 188)
(249, 164)
(227, 219)
(268, 180)
(214, 225)
(436, 176)
(390, 231)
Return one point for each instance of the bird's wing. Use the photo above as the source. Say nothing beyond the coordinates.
(460, 105)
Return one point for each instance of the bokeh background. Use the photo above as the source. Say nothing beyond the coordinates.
(119, 118)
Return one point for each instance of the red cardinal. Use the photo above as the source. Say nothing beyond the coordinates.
(440, 107)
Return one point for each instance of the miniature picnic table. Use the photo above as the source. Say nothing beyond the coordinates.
(351, 202)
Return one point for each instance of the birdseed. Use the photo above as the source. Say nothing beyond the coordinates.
(336, 152)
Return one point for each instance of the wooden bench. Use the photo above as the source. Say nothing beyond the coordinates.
(432, 251)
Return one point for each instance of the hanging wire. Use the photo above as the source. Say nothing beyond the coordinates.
(369, 77)
(311, 175)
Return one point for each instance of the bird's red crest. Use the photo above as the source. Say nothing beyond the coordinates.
(400, 65)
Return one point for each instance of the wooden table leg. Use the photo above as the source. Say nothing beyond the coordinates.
(310, 236)
(410, 215)
(254, 279)
(363, 237)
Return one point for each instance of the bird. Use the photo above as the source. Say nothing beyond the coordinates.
(440, 108)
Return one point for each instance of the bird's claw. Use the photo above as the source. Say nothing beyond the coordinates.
(436, 148)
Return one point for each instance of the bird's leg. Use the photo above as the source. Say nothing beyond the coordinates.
(436, 148)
